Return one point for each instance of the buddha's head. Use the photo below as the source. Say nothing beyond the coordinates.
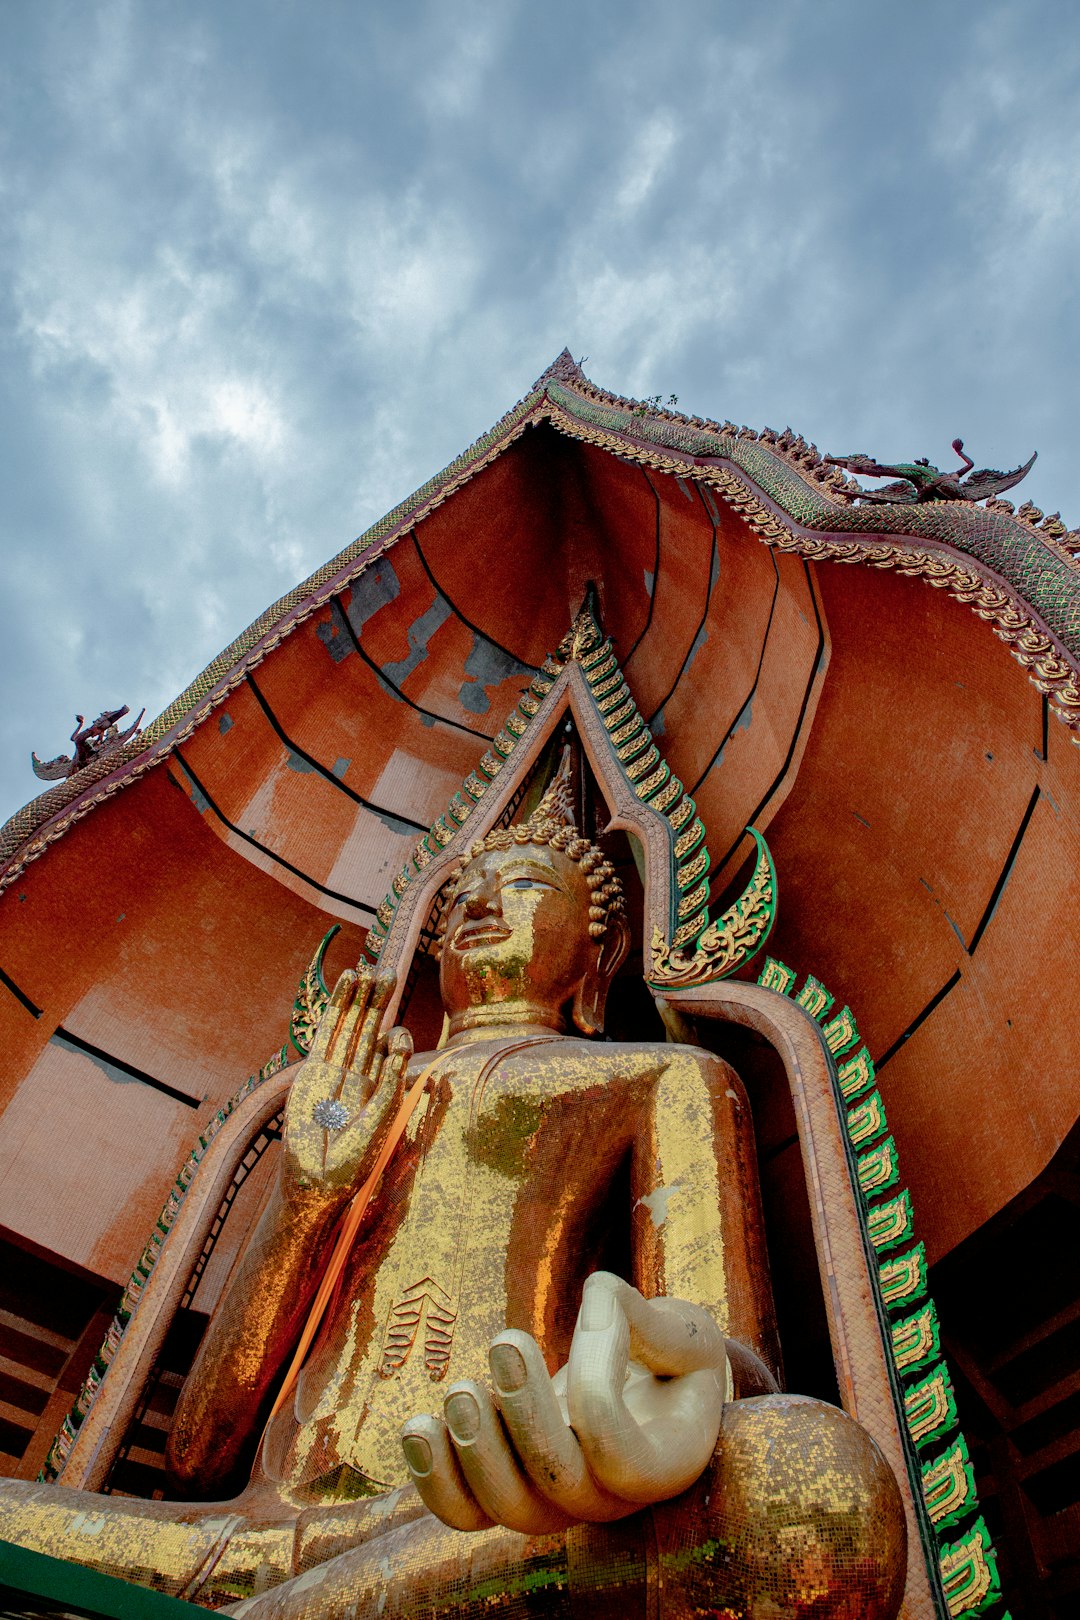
(534, 930)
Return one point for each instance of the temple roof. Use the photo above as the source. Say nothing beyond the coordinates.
(1021, 564)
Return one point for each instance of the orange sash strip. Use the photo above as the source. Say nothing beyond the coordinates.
(351, 1224)
(349, 1228)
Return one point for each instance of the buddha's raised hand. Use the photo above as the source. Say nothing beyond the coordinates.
(632, 1418)
(345, 1092)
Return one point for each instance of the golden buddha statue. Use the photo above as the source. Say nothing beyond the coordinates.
(553, 1202)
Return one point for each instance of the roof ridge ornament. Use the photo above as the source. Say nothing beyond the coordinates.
(92, 741)
(920, 480)
(564, 368)
(585, 634)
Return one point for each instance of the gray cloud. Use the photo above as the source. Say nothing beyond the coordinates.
(263, 269)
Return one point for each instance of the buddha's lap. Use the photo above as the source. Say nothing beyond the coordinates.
(797, 1503)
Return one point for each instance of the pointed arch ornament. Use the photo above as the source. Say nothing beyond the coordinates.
(583, 681)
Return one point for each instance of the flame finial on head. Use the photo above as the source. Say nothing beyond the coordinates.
(557, 804)
(553, 822)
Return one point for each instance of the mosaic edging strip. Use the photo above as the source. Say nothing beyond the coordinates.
(962, 1547)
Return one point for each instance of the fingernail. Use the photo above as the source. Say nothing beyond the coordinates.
(462, 1416)
(597, 1310)
(507, 1368)
(417, 1454)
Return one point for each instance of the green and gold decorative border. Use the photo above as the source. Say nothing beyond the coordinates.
(961, 1543)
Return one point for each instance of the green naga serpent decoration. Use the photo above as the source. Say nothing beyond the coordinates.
(729, 941)
(311, 997)
(921, 481)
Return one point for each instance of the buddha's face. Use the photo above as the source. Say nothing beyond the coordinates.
(517, 941)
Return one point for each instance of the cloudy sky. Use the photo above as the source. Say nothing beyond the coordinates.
(265, 265)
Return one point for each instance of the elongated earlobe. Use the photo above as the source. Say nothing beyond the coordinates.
(589, 1003)
(590, 998)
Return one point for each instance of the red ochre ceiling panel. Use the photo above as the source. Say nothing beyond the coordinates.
(233, 751)
(297, 818)
(681, 592)
(609, 510)
(300, 816)
(756, 765)
(926, 732)
(717, 679)
(425, 650)
(197, 953)
(22, 1036)
(146, 938)
(337, 710)
(367, 859)
(526, 587)
(466, 677)
(274, 802)
(120, 1144)
(889, 852)
(986, 1089)
(554, 516)
(388, 606)
(854, 919)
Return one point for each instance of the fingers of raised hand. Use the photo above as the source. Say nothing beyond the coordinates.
(381, 1092)
(361, 1057)
(395, 1048)
(491, 1470)
(436, 1473)
(661, 1446)
(336, 1012)
(546, 1446)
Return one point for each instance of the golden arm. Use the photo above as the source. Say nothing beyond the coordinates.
(336, 1114)
(247, 1342)
(698, 1230)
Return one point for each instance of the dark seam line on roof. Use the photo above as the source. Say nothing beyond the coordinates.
(720, 864)
(332, 894)
(475, 628)
(93, 1051)
(722, 744)
(1005, 873)
(656, 574)
(395, 691)
(20, 995)
(1044, 752)
(935, 1001)
(712, 578)
(406, 822)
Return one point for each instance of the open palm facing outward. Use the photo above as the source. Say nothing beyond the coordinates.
(631, 1419)
(349, 1087)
